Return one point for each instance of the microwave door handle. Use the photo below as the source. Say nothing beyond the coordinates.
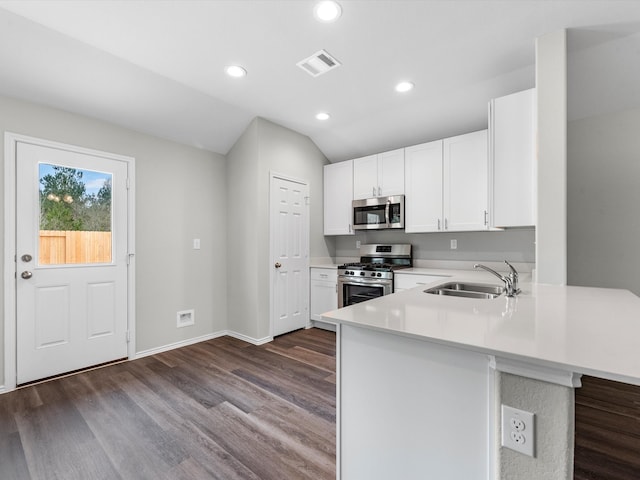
(386, 213)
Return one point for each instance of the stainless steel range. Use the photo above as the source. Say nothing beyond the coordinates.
(372, 276)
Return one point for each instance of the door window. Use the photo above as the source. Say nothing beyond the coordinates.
(75, 216)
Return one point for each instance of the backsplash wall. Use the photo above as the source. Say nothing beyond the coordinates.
(514, 245)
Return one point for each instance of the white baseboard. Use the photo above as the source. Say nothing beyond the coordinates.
(203, 338)
(182, 343)
(254, 341)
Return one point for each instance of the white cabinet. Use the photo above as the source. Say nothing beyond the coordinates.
(338, 194)
(423, 187)
(512, 150)
(406, 281)
(379, 175)
(447, 184)
(324, 291)
(466, 176)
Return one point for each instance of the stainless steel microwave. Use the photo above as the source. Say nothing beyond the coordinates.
(378, 213)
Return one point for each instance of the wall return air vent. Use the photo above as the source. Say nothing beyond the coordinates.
(318, 63)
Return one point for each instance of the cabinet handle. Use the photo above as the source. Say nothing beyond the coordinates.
(446, 224)
(349, 228)
(373, 191)
(324, 275)
(379, 191)
(485, 218)
(438, 224)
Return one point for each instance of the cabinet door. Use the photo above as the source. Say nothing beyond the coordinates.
(365, 177)
(423, 187)
(323, 295)
(338, 194)
(512, 132)
(391, 173)
(466, 182)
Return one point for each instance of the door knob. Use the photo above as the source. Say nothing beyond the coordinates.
(26, 257)
(278, 265)
(26, 275)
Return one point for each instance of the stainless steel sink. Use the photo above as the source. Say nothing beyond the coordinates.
(467, 290)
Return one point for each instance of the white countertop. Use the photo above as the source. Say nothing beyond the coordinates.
(593, 331)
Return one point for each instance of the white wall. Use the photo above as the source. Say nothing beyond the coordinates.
(554, 409)
(265, 147)
(180, 195)
(604, 198)
(603, 159)
(551, 222)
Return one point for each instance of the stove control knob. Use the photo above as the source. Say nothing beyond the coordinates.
(362, 274)
(379, 274)
(373, 274)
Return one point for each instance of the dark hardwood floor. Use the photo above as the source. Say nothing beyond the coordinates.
(221, 409)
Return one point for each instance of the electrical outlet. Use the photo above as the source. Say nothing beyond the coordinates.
(454, 244)
(357, 243)
(196, 244)
(518, 430)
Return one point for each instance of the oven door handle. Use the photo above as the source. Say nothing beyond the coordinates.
(386, 213)
(369, 282)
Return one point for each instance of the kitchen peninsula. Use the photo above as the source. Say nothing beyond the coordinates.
(427, 365)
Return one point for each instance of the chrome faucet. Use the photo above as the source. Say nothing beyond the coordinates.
(513, 276)
(510, 282)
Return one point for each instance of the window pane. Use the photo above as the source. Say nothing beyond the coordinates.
(75, 215)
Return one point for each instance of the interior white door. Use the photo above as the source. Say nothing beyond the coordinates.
(71, 241)
(290, 255)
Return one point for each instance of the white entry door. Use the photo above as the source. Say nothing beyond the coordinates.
(290, 255)
(71, 242)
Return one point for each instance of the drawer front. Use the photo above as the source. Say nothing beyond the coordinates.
(324, 274)
(406, 281)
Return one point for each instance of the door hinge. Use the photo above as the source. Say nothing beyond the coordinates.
(128, 336)
(128, 183)
(307, 200)
(129, 257)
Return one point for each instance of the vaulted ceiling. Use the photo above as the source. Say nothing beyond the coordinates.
(158, 66)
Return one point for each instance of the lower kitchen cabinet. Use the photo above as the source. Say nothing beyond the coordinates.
(323, 295)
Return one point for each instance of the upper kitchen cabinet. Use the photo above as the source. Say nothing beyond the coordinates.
(338, 194)
(512, 153)
(423, 187)
(379, 175)
(466, 182)
(446, 184)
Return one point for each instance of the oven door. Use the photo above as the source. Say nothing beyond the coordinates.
(355, 290)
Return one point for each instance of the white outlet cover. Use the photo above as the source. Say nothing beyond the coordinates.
(454, 244)
(518, 430)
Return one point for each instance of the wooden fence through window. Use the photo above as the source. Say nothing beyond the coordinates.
(64, 247)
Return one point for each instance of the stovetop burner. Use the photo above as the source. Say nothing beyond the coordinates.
(380, 258)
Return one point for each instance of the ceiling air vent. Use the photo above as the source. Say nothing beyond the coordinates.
(318, 63)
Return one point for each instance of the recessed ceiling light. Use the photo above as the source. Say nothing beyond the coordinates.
(327, 11)
(403, 87)
(323, 116)
(235, 71)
